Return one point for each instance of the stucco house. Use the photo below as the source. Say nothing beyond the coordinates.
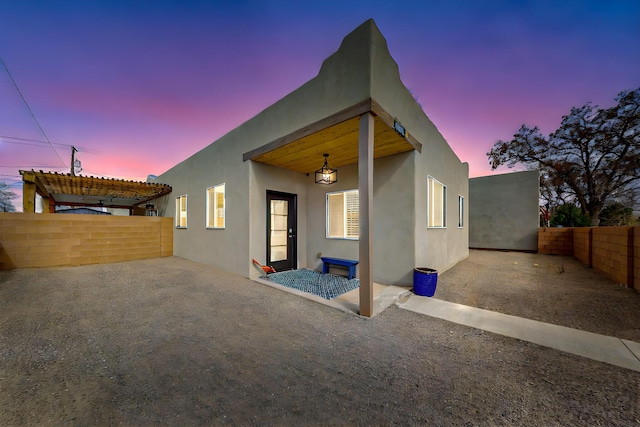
(401, 192)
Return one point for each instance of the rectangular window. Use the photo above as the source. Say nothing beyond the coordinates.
(215, 206)
(460, 212)
(437, 202)
(181, 212)
(343, 215)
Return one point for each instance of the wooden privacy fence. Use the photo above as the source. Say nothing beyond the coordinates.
(613, 250)
(56, 240)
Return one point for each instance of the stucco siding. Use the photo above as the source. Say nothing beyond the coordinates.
(217, 247)
(316, 220)
(393, 219)
(504, 211)
(440, 248)
(435, 248)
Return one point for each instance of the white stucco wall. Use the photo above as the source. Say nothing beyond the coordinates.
(504, 211)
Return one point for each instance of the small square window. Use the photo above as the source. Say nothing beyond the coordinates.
(216, 207)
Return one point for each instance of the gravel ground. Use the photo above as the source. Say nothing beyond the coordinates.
(547, 288)
(171, 342)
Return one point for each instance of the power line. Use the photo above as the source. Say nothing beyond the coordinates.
(30, 166)
(30, 111)
(39, 143)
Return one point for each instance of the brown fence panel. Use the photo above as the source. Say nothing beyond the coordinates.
(50, 240)
(582, 245)
(636, 257)
(555, 241)
(613, 252)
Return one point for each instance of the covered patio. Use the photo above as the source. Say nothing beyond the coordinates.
(356, 135)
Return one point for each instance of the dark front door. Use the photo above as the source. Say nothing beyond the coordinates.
(281, 231)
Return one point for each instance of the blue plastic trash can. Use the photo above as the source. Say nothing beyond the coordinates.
(425, 281)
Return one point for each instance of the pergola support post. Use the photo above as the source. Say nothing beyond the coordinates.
(44, 205)
(365, 192)
(28, 192)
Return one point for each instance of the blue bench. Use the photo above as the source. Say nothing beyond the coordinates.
(340, 262)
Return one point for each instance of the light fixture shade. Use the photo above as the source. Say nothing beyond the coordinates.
(326, 175)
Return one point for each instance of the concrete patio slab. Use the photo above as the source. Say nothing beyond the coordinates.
(383, 297)
(598, 347)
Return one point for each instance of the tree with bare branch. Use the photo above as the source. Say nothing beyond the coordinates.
(592, 158)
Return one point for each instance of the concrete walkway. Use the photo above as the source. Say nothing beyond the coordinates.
(603, 348)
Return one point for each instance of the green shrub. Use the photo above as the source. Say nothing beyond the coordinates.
(569, 215)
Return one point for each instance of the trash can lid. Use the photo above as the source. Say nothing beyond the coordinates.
(426, 270)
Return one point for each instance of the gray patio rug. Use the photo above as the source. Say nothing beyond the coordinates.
(327, 286)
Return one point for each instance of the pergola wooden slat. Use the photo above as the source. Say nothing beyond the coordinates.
(69, 190)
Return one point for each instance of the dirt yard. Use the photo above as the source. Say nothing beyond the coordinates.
(547, 288)
(171, 342)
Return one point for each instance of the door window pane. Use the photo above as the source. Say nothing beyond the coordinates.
(279, 230)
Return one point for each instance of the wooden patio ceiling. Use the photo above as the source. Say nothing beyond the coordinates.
(337, 136)
(67, 189)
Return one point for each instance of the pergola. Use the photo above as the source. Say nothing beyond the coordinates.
(59, 189)
(356, 135)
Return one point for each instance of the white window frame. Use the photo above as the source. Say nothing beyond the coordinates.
(460, 211)
(345, 234)
(179, 200)
(220, 212)
(433, 207)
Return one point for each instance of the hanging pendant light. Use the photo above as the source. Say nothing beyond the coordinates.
(326, 175)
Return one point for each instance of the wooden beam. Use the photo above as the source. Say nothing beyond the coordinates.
(28, 192)
(388, 120)
(44, 204)
(94, 205)
(365, 199)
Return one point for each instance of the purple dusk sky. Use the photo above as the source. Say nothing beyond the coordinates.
(139, 86)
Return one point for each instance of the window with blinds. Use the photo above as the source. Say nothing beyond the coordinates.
(437, 202)
(181, 212)
(343, 215)
(215, 206)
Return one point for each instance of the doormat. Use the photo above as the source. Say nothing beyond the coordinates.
(327, 286)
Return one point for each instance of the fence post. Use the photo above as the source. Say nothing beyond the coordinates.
(590, 247)
(630, 257)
